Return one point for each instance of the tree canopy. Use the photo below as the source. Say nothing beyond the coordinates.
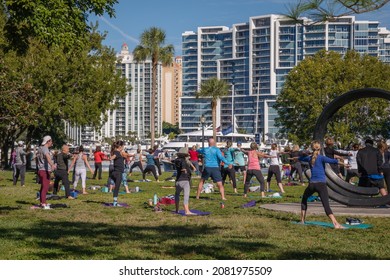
(317, 80)
(214, 89)
(47, 86)
(152, 46)
(52, 22)
(323, 10)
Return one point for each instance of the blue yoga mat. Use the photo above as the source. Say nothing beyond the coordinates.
(124, 205)
(196, 212)
(330, 225)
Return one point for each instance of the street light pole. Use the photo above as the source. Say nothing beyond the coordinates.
(202, 121)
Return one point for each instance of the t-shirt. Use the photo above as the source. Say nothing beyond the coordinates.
(239, 159)
(150, 159)
(212, 156)
(119, 162)
(20, 158)
(352, 160)
(180, 164)
(99, 156)
(318, 169)
(229, 156)
(193, 155)
(62, 161)
(274, 160)
(43, 164)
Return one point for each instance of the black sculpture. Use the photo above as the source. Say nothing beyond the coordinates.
(340, 190)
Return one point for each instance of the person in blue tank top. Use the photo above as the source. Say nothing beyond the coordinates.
(212, 156)
(318, 182)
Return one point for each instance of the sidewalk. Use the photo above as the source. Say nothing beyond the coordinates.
(315, 208)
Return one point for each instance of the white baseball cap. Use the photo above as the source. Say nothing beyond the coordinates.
(46, 139)
(20, 143)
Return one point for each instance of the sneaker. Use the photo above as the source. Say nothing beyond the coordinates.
(46, 207)
(115, 203)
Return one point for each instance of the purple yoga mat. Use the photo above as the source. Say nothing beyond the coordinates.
(251, 203)
(124, 205)
(197, 212)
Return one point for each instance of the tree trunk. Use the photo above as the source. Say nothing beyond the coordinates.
(214, 117)
(153, 102)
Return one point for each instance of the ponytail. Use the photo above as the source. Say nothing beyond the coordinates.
(316, 147)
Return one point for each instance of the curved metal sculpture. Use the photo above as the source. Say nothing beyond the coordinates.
(340, 190)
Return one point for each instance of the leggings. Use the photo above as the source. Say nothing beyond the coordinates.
(98, 170)
(185, 187)
(297, 167)
(151, 168)
(44, 177)
(259, 176)
(231, 172)
(137, 164)
(322, 190)
(117, 178)
(80, 173)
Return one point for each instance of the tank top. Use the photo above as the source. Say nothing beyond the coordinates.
(80, 164)
(275, 157)
(137, 157)
(253, 161)
(119, 162)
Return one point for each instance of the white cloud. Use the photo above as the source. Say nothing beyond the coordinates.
(125, 35)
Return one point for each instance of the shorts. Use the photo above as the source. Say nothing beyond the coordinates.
(364, 181)
(213, 172)
(241, 168)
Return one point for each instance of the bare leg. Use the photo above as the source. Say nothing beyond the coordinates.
(200, 187)
(267, 187)
(221, 190)
(334, 221)
(303, 216)
(187, 210)
(281, 187)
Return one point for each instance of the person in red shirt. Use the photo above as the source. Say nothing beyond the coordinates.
(98, 156)
(194, 158)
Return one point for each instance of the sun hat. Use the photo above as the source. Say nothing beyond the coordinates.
(46, 139)
(183, 152)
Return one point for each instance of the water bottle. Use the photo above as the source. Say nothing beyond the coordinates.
(222, 205)
(155, 199)
(136, 189)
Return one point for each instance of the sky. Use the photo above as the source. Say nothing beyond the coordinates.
(177, 16)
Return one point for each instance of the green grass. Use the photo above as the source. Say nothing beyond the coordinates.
(87, 230)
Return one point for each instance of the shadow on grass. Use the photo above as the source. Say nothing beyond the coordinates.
(67, 240)
(321, 255)
(6, 209)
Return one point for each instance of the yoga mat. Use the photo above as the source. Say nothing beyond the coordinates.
(330, 225)
(196, 212)
(124, 205)
(251, 203)
(52, 206)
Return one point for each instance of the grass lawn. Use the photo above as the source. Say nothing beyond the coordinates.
(89, 231)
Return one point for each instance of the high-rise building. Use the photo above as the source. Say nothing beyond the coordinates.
(133, 112)
(171, 91)
(255, 58)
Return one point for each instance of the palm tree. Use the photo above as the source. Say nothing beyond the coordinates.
(152, 47)
(213, 88)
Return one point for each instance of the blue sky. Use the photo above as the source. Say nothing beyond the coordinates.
(178, 16)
